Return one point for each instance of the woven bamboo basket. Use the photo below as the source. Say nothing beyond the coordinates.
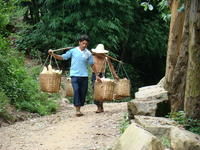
(69, 88)
(103, 91)
(121, 89)
(50, 82)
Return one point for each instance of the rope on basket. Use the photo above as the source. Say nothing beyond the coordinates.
(46, 60)
(56, 63)
(107, 63)
(121, 66)
(50, 60)
(42, 65)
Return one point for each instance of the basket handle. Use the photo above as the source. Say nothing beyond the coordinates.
(49, 57)
(46, 60)
(121, 67)
(56, 63)
(112, 69)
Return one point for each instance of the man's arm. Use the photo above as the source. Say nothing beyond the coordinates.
(54, 55)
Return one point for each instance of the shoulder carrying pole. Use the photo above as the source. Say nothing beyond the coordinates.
(61, 49)
(114, 59)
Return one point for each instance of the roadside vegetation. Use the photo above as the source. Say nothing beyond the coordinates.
(189, 124)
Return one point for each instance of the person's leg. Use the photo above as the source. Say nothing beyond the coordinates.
(76, 101)
(99, 104)
(83, 89)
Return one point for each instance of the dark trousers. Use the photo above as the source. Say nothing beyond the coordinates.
(98, 103)
(80, 87)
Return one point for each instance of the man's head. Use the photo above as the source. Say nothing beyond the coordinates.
(99, 49)
(83, 41)
(84, 38)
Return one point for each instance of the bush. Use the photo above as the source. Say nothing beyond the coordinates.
(32, 99)
(4, 105)
(4, 101)
(192, 125)
(124, 123)
(45, 107)
(19, 86)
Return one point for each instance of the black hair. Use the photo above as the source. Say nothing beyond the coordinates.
(84, 38)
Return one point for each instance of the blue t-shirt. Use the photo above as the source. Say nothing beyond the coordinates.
(79, 61)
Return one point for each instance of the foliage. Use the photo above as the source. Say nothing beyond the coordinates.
(40, 106)
(4, 101)
(147, 6)
(147, 45)
(6, 9)
(124, 123)
(34, 71)
(22, 90)
(192, 125)
(65, 20)
(17, 86)
(163, 7)
(166, 141)
(149, 37)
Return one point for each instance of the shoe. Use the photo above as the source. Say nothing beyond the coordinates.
(99, 111)
(79, 114)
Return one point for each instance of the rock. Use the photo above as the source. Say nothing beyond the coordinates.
(163, 128)
(184, 140)
(136, 138)
(149, 101)
(158, 108)
(162, 82)
(151, 92)
(158, 126)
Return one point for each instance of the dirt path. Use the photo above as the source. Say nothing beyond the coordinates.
(64, 131)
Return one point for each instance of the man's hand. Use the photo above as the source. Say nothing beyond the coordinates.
(116, 78)
(50, 52)
(98, 79)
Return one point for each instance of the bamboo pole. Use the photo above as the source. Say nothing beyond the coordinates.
(60, 49)
(67, 48)
(114, 59)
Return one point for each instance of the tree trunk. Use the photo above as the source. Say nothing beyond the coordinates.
(192, 93)
(176, 91)
(176, 28)
(35, 7)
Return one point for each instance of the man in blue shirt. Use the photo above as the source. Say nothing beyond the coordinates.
(80, 58)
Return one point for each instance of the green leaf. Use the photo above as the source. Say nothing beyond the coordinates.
(150, 7)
